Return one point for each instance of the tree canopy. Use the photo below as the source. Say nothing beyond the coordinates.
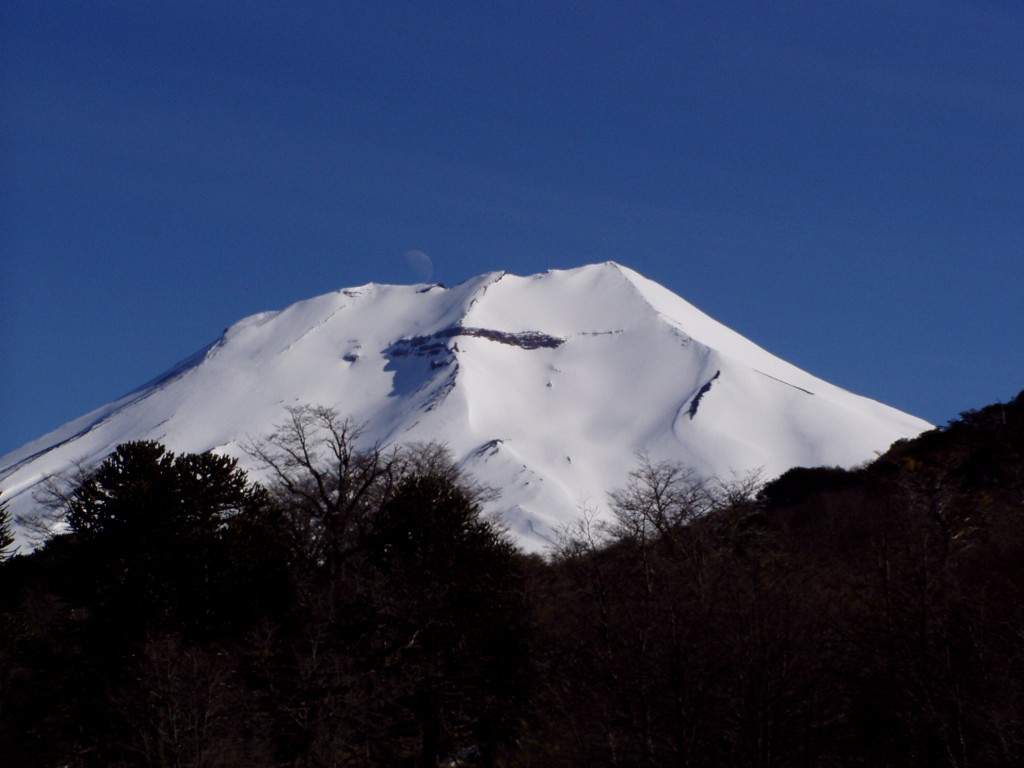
(361, 611)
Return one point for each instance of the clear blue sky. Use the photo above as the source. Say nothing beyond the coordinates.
(842, 182)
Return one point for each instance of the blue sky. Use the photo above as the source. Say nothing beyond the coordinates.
(842, 182)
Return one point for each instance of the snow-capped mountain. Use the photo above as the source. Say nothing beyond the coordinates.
(545, 387)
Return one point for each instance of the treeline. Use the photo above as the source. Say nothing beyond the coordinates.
(864, 618)
(358, 611)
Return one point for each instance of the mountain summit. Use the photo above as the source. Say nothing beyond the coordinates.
(546, 387)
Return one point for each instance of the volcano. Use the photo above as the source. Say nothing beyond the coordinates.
(546, 387)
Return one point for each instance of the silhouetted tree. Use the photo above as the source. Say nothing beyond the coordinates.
(408, 641)
(454, 623)
(6, 534)
(324, 482)
(160, 549)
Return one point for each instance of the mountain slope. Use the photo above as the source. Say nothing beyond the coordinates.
(544, 386)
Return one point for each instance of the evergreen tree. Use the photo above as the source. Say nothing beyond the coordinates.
(6, 534)
(455, 616)
(162, 534)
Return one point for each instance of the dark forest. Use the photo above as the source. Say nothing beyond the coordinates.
(357, 610)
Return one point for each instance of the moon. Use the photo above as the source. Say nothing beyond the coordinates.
(420, 264)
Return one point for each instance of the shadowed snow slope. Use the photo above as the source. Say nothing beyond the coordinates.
(545, 387)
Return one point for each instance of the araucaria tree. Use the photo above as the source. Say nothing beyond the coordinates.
(163, 530)
(118, 635)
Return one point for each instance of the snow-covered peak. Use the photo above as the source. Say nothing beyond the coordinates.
(545, 386)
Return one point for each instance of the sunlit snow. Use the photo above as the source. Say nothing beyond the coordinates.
(544, 386)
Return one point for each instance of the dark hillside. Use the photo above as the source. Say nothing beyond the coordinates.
(360, 612)
(872, 617)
